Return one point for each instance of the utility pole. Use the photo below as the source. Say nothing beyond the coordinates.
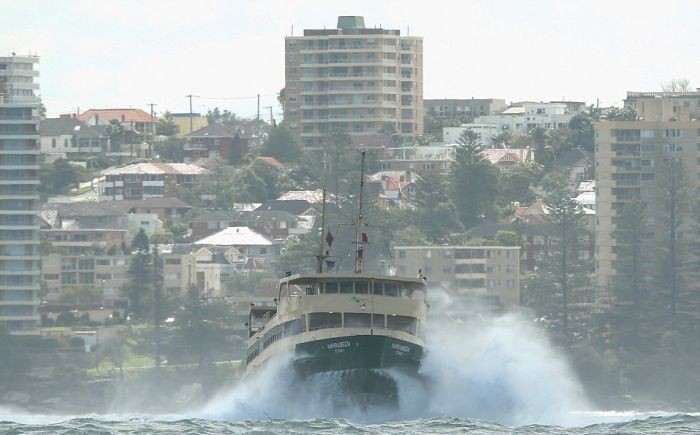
(190, 97)
(257, 124)
(153, 131)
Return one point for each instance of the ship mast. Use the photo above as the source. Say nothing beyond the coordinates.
(360, 237)
(321, 256)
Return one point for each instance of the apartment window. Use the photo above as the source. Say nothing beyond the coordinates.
(292, 57)
(402, 253)
(53, 143)
(672, 132)
(263, 251)
(510, 268)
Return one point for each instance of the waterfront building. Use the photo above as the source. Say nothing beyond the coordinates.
(631, 160)
(361, 80)
(20, 262)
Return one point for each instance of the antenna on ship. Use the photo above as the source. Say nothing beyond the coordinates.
(320, 257)
(361, 237)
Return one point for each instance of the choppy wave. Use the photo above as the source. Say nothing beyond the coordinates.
(670, 424)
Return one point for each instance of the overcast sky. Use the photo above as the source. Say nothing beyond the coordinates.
(128, 53)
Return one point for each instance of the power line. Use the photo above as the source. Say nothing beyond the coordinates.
(234, 98)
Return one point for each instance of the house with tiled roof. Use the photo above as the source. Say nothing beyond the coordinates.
(147, 180)
(393, 188)
(273, 224)
(247, 243)
(135, 120)
(68, 137)
(506, 159)
(216, 141)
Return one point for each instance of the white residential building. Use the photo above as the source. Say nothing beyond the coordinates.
(520, 119)
(486, 132)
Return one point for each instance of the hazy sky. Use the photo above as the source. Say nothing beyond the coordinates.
(128, 53)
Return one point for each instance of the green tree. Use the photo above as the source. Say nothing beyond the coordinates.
(624, 114)
(171, 150)
(582, 127)
(540, 141)
(140, 272)
(158, 301)
(566, 214)
(202, 328)
(435, 214)
(166, 126)
(217, 115)
(516, 183)
(473, 182)
(502, 139)
(675, 195)
(631, 266)
(282, 145)
(341, 162)
(117, 135)
(60, 176)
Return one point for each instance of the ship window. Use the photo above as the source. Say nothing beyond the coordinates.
(401, 323)
(378, 288)
(324, 320)
(292, 327)
(378, 321)
(302, 319)
(346, 286)
(332, 287)
(362, 287)
(357, 320)
(391, 289)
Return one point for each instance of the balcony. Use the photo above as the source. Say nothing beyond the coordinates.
(195, 146)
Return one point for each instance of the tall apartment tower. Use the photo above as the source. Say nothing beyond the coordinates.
(353, 78)
(20, 266)
(631, 158)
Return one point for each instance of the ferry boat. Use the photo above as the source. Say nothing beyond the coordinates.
(355, 326)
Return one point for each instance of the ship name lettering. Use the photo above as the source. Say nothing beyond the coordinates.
(400, 347)
(338, 344)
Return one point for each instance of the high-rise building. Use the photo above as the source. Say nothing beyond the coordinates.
(362, 80)
(631, 160)
(20, 264)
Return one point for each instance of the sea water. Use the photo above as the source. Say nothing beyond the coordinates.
(485, 375)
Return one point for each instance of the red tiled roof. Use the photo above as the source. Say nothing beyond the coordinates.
(504, 156)
(270, 161)
(129, 115)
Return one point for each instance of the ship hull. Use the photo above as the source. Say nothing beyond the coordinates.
(356, 370)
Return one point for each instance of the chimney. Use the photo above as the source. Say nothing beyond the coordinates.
(408, 176)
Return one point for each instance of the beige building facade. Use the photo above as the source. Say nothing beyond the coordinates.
(488, 273)
(631, 157)
(20, 264)
(362, 80)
